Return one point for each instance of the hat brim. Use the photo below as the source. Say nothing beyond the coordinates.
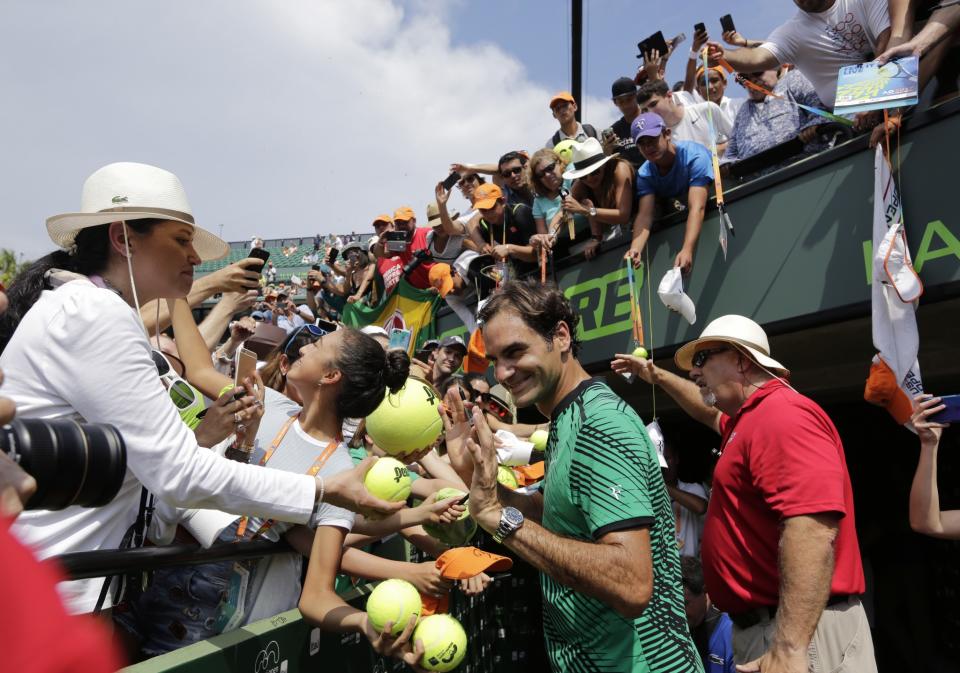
(684, 355)
(579, 173)
(484, 204)
(446, 286)
(63, 230)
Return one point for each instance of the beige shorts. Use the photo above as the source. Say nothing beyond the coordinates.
(841, 643)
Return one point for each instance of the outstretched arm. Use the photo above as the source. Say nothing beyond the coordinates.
(925, 514)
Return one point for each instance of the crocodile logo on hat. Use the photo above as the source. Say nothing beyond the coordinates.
(119, 199)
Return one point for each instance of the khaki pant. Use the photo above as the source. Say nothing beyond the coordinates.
(841, 643)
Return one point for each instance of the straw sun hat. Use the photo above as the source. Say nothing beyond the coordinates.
(129, 191)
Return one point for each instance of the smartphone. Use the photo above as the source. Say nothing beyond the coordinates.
(326, 325)
(608, 134)
(332, 257)
(701, 27)
(245, 364)
(400, 338)
(655, 41)
(260, 253)
(395, 241)
(451, 180)
(726, 22)
(951, 414)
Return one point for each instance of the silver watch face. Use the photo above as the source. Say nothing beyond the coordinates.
(512, 516)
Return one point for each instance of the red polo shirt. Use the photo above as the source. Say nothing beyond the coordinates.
(781, 457)
(391, 268)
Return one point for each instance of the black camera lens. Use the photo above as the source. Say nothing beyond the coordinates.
(73, 464)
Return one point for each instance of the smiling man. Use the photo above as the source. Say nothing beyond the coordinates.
(601, 533)
(779, 547)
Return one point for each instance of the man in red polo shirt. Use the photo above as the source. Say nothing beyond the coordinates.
(391, 263)
(779, 547)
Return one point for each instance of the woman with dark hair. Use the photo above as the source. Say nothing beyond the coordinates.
(334, 376)
(75, 347)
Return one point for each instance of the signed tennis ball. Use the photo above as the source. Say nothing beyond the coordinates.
(393, 601)
(388, 479)
(408, 420)
(564, 149)
(539, 439)
(640, 352)
(444, 642)
(455, 534)
(506, 476)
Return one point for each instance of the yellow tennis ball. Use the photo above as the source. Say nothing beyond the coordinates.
(393, 601)
(455, 534)
(407, 421)
(564, 149)
(388, 479)
(444, 642)
(640, 352)
(506, 476)
(539, 440)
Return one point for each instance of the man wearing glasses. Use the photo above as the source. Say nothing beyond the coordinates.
(508, 174)
(779, 547)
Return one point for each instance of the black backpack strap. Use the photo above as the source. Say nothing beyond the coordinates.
(555, 139)
(133, 538)
(590, 131)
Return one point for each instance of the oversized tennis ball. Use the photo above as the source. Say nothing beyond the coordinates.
(388, 479)
(506, 476)
(407, 421)
(564, 149)
(393, 601)
(444, 642)
(640, 352)
(539, 439)
(455, 534)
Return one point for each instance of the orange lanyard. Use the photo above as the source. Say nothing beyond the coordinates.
(318, 464)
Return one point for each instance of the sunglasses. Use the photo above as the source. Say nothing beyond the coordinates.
(467, 180)
(546, 170)
(511, 172)
(313, 330)
(700, 357)
(181, 393)
(491, 405)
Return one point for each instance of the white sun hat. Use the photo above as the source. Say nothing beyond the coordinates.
(127, 191)
(674, 298)
(588, 156)
(745, 334)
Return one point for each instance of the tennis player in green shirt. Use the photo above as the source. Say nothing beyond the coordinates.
(601, 533)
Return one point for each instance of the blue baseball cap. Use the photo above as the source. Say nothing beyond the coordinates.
(648, 124)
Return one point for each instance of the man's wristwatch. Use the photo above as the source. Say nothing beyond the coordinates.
(510, 521)
(592, 212)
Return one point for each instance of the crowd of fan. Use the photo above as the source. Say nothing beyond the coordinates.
(197, 442)
(588, 186)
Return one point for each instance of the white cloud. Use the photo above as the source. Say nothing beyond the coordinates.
(281, 118)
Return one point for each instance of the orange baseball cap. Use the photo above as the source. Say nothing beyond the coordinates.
(462, 563)
(404, 213)
(441, 278)
(486, 195)
(561, 96)
(716, 68)
(383, 218)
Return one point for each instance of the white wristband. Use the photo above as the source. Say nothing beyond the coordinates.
(694, 55)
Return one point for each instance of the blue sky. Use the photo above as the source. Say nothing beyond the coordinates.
(537, 33)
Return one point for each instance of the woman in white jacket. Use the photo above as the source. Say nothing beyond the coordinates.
(74, 347)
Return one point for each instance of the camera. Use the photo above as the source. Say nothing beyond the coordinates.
(73, 463)
(395, 241)
(418, 257)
